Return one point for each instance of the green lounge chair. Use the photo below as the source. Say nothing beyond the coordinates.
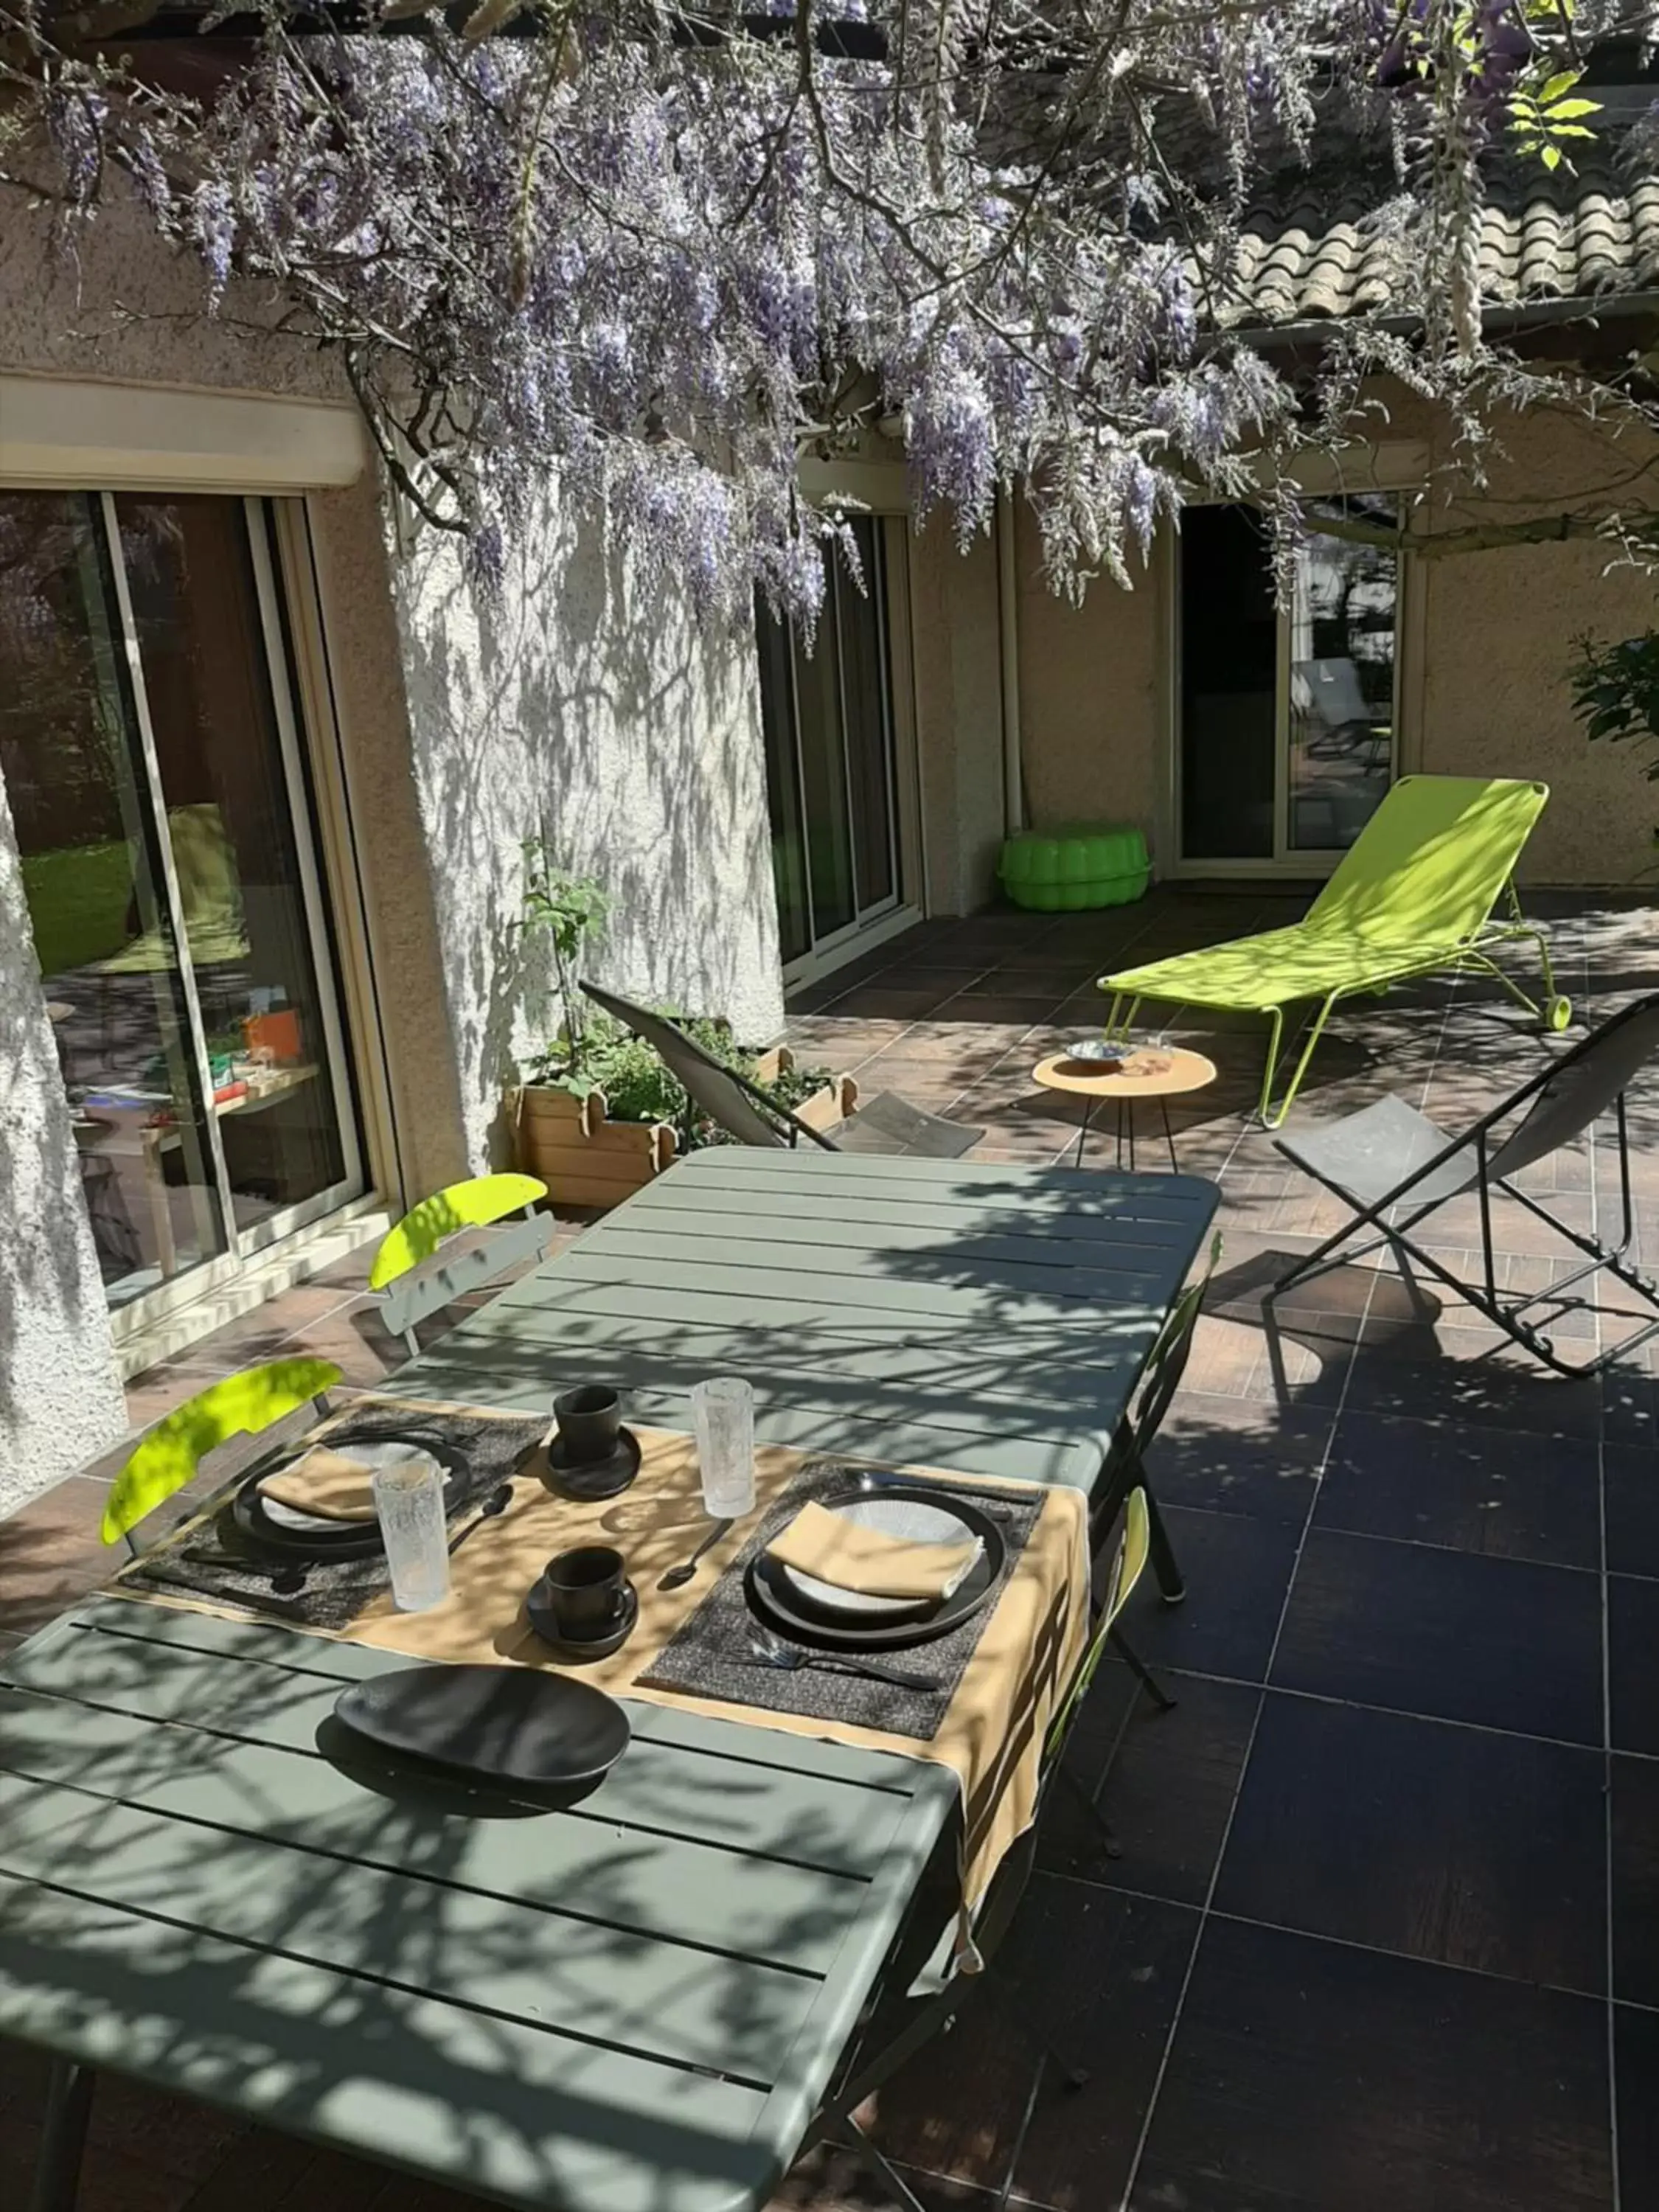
(1413, 894)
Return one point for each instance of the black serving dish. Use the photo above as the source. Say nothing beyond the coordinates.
(508, 1723)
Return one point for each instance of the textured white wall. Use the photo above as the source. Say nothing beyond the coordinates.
(591, 709)
(600, 715)
(60, 1403)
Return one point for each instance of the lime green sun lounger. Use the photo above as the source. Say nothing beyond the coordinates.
(1413, 894)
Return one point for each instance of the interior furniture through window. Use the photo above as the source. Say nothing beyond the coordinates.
(158, 784)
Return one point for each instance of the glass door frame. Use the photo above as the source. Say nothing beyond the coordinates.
(902, 907)
(1287, 861)
(132, 1316)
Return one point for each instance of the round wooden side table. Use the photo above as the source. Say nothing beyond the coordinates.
(1160, 1072)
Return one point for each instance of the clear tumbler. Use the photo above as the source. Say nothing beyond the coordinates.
(408, 1500)
(723, 1414)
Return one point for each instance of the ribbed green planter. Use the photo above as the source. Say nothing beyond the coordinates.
(1069, 870)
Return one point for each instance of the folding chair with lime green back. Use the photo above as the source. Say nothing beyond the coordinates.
(410, 1276)
(1412, 896)
(242, 1405)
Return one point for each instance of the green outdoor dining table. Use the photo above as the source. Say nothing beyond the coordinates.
(950, 1314)
(637, 2002)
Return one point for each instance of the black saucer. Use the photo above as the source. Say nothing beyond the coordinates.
(591, 1479)
(575, 1648)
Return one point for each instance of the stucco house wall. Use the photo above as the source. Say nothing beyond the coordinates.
(60, 1399)
(590, 710)
(1486, 639)
(956, 634)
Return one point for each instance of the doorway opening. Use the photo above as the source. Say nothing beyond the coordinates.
(1287, 723)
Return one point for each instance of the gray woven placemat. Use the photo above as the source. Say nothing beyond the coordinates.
(213, 1558)
(711, 1655)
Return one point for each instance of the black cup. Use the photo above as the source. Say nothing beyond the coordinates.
(590, 1421)
(583, 1592)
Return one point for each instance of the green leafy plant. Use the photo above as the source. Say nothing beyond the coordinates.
(1615, 692)
(568, 913)
(1542, 119)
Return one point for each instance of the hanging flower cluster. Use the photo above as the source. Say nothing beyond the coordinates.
(658, 253)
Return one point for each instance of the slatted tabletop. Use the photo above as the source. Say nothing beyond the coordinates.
(941, 1313)
(634, 2005)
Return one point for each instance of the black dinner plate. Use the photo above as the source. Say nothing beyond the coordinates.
(347, 1540)
(774, 1598)
(508, 1723)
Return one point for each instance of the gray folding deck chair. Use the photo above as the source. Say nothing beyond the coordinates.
(885, 1123)
(1395, 1167)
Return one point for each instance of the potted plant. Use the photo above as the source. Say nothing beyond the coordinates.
(599, 1113)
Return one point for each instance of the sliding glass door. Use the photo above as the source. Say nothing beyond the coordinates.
(158, 787)
(1287, 739)
(832, 767)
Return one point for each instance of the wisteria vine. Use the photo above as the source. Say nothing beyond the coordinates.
(658, 253)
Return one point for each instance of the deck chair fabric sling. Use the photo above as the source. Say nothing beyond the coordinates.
(1413, 895)
(1394, 1168)
(886, 1123)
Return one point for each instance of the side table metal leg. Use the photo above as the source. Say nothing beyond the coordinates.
(1169, 1136)
(63, 2137)
(1083, 1130)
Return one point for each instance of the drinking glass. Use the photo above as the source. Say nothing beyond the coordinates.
(409, 1500)
(723, 1414)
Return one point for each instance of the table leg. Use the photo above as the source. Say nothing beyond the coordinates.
(1083, 1130)
(1169, 1136)
(1126, 1122)
(63, 2137)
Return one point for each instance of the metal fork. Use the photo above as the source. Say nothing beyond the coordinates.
(772, 1651)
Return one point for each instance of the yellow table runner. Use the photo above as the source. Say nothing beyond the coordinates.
(994, 1725)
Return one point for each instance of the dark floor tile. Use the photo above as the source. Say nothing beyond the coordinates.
(1477, 1490)
(833, 2180)
(1636, 1882)
(1631, 1478)
(1630, 1402)
(1226, 1455)
(1473, 1375)
(1502, 1643)
(1098, 1974)
(1165, 1781)
(1237, 1571)
(1101, 1973)
(1474, 1850)
(1633, 1664)
(868, 1001)
(1636, 2071)
(1307, 2076)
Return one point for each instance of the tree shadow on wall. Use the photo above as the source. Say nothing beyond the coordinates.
(585, 708)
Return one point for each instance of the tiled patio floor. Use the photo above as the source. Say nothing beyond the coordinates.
(1384, 1931)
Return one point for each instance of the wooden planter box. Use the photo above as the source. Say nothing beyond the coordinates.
(584, 1159)
(587, 1160)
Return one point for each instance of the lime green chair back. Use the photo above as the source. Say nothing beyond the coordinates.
(1133, 1550)
(471, 1204)
(1429, 864)
(170, 1455)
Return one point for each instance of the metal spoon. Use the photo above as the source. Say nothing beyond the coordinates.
(497, 1502)
(676, 1577)
(772, 1651)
